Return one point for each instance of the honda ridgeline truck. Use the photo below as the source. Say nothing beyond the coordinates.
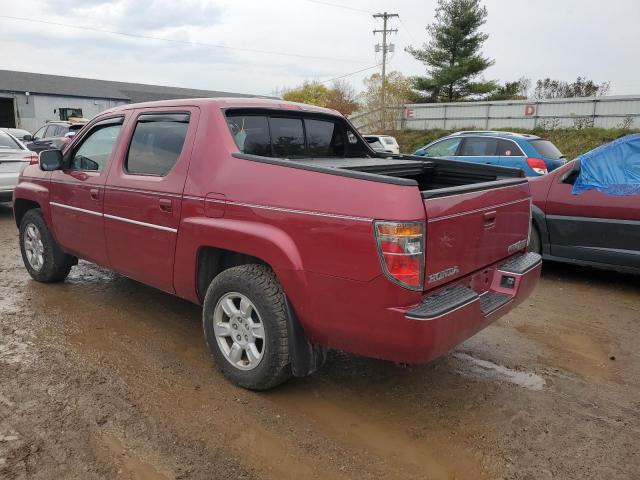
(281, 221)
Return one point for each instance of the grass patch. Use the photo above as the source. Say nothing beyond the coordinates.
(570, 141)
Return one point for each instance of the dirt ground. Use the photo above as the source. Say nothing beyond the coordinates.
(102, 377)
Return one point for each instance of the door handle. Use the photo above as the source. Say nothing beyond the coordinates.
(489, 218)
(165, 205)
(94, 193)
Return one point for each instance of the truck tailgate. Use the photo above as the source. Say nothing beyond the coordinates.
(469, 231)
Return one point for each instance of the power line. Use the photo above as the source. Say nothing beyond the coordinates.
(171, 40)
(339, 77)
(339, 6)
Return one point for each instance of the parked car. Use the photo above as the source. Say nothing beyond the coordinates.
(19, 133)
(383, 143)
(535, 155)
(53, 135)
(14, 157)
(291, 232)
(594, 227)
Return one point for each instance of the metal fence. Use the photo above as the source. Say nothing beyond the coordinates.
(605, 112)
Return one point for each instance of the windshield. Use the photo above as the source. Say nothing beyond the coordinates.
(7, 142)
(546, 149)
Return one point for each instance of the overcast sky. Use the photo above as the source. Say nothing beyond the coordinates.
(556, 38)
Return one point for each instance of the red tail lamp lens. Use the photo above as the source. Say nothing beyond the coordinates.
(401, 250)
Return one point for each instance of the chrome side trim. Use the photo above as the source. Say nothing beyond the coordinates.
(461, 214)
(76, 209)
(292, 210)
(142, 224)
(139, 190)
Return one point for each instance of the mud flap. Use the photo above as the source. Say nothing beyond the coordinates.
(305, 357)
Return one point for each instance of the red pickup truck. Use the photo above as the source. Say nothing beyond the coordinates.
(293, 234)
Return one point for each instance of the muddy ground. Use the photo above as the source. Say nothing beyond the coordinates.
(102, 377)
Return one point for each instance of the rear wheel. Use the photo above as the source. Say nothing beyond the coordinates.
(245, 326)
(44, 259)
(534, 240)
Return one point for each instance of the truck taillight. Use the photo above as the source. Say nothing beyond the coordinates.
(401, 250)
(33, 158)
(537, 165)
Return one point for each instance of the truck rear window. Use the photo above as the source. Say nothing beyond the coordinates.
(287, 136)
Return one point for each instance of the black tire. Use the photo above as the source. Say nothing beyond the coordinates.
(534, 240)
(56, 264)
(259, 284)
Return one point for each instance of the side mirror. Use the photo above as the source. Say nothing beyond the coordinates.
(50, 160)
(70, 134)
(27, 138)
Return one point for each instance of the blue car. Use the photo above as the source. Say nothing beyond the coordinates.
(535, 155)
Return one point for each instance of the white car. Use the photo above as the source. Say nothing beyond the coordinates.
(14, 156)
(383, 143)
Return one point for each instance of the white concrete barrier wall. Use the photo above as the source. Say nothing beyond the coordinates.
(604, 112)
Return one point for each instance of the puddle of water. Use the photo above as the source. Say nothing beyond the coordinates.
(493, 371)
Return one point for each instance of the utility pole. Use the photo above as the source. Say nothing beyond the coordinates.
(385, 48)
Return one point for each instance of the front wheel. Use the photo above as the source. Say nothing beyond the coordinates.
(43, 258)
(245, 327)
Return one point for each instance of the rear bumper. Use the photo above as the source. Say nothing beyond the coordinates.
(362, 319)
(448, 317)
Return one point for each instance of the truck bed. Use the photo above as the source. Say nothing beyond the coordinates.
(434, 177)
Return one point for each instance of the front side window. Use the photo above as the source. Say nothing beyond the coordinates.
(287, 136)
(95, 149)
(156, 143)
(479, 147)
(445, 148)
(39, 134)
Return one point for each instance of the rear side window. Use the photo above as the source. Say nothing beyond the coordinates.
(479, 147)
(444, 148)
(388, 140)
(287, 135)
(507, 148)
(546, 149)
(156, 143)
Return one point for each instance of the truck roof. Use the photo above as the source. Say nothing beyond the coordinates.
(229, 102)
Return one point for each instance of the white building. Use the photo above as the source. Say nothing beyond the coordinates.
(29, 100)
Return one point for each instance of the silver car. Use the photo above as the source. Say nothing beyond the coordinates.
(14, 156)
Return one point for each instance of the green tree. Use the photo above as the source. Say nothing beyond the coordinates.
(398, 91)
(452, 54)
(313, 93)
(517, 90)
(340, 96)
(582, 87)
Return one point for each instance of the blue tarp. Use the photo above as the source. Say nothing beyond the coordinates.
(613, 168)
